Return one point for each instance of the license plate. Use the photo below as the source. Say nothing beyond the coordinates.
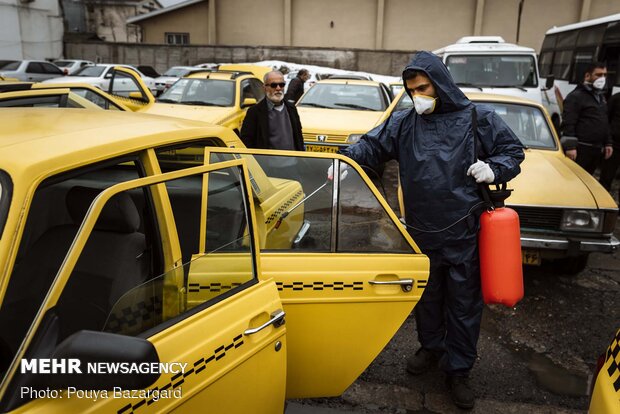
(531, 257)
(321, 148)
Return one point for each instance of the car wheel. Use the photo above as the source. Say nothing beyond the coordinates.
(570, 265)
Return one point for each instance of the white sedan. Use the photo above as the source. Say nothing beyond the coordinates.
(100, 75)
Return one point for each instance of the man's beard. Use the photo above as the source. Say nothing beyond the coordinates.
(276, 99)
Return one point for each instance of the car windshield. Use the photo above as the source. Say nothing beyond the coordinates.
(176, 72)
(344, 96)
(503, 71)
(527, 122)
(91, 71)
(9, 64)
(209, 92)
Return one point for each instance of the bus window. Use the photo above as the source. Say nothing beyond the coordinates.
(591, 36)
(581, 60)
(561, 64)
(567, 39)
(545, 63)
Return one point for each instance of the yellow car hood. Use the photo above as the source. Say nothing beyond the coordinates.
(548, 178)
(337, 121)
(212, 114)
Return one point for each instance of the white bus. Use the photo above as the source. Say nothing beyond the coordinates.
(567, 50)
(488, 64)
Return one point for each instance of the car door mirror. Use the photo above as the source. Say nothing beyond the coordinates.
(101, 349)
(549, 82)
(248, 102)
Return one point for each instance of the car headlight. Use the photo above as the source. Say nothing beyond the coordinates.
(582, 220)
(353, 138)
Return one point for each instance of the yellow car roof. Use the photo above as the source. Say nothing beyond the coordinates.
(212, 75)
(491, 97)
(46, 139)
(351, 82)
(256, 70)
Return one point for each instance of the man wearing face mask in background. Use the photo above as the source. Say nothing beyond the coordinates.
(585, 118)
(439, 173)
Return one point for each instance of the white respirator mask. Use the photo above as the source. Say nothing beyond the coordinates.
(599, 83)
(424, 104)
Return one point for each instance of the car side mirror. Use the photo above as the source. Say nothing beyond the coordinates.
(107, 349)
(549, 82)
(248, 102)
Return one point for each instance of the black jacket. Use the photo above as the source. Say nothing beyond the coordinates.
(586, 118)
(295, 90)
(255, 128)
(614, 119)
(434, 152)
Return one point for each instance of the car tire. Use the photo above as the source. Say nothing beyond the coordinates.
(570, 265)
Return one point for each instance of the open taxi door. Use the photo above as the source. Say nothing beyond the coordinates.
(128, 87)
(350, 276)
(207, 346)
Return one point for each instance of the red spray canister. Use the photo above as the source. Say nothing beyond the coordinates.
(499, 242)
(499, 245)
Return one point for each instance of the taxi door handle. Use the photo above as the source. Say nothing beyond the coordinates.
(277, 320)
(405, 284)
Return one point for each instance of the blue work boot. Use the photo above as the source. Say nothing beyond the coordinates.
(421, 362)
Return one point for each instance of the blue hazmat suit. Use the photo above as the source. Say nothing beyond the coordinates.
(434, 152)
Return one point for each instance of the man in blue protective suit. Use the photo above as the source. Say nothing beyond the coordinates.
(439, 173)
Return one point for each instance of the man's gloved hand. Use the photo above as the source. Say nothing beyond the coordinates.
(482, 172)
(343, 171)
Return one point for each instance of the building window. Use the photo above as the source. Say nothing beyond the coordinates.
(177, 38)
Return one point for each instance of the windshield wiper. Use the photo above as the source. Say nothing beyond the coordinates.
(316, 105)
(164, 100)
(470, 85)
(354, 106)
(201, 103)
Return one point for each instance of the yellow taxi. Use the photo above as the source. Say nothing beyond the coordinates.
(70, 95)
(335, 113)
(564, 213)
(606, 391)
(134, 278)
(219, 97)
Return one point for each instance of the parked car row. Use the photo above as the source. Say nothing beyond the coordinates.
(218, 234)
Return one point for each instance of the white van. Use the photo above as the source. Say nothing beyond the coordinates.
(488, 64)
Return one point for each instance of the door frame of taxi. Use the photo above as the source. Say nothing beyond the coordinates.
(342, 307)
(246, 330)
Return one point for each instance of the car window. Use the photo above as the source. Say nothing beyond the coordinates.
(5, 198)
(51, 101)
(224, 266)
(176, 72)
(95, 98)
(493, 70)
(299, 209)
(9, 64)
(344, 96)
(208, 92)
(35, 67)
(91, 71)
(53, 219)
(49, 68)
(257, 88)
(528, 123)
